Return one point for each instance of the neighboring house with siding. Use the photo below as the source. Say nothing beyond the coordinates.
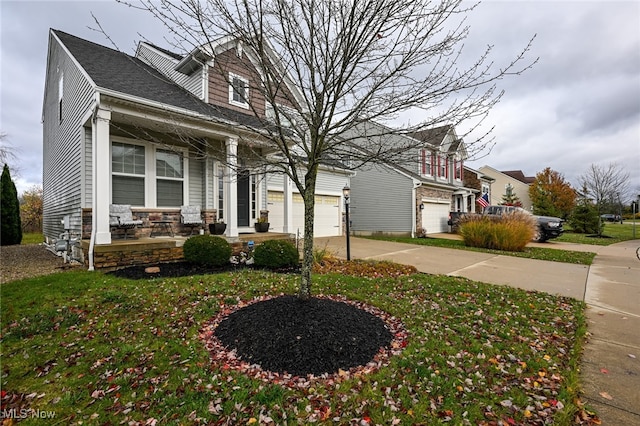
(158, 130)
(414, 195)
(513, 180)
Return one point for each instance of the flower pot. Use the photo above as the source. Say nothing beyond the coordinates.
(262, 226)
(217, 228)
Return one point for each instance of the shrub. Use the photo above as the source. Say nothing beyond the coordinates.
(586, 220)
(207, 250)
(11, 232)
(510, 232)
(276, 254)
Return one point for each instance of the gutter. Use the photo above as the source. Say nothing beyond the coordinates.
(94, 161)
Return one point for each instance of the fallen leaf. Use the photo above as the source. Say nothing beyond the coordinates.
(604, 371)
(605, 395)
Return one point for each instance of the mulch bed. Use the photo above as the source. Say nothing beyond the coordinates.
(300, 337)
(181, 269)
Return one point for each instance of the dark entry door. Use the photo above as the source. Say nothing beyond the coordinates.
(243, 198)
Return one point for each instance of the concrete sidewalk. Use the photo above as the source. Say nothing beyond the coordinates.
(610, 287)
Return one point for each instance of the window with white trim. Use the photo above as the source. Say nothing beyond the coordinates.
(427, 162)
(169, 179)
(60, 95)
(458, 169)
(238, 91)
(128, 174)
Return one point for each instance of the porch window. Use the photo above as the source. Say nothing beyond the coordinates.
(127, 180)
(238, 91)
(169, 179)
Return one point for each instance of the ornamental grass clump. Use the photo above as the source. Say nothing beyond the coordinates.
(509, 232)
(207, 250)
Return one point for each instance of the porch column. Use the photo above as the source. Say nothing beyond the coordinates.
(231, 187)
(472, 205)
(102, 180)
(288, 205)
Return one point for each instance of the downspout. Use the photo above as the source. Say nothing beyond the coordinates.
(94, 161)
(414, 218)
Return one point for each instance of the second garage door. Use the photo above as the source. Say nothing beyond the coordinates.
(326, 219)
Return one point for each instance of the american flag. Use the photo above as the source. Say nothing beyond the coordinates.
(484, 200)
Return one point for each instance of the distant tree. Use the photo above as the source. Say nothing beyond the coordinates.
(11, 231)
(551, 195)
(31, 209)
(510, 198)
(585, 218)
(604, 186)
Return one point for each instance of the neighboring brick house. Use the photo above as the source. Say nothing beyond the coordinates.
(159, 130)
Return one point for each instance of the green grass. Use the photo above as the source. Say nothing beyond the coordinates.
(96, 349)
(554, 255)
(32, 238)
(613, 233)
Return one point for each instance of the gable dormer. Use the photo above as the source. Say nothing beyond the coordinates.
(187, 71)
(442, 156)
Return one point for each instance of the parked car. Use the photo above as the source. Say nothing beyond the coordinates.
(610, 217)
(548, 226)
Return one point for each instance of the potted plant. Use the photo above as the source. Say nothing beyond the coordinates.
(217, 228)
(262, 225)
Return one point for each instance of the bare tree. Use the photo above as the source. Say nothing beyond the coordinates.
(351, 63)
(605, 185)
(7, 151)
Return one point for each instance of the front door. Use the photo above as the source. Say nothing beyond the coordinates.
(243, 198)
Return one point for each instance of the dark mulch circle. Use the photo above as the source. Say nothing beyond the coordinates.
(300, 337)
(181, 269)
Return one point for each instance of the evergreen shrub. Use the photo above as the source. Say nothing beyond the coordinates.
(207, 250)
(11, 232)
(276, 254)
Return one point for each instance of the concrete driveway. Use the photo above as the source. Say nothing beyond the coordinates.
(610, 368)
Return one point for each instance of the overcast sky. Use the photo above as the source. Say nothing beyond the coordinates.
(580, 105)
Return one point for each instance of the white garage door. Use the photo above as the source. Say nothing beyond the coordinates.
(326, 220)
(434, 217)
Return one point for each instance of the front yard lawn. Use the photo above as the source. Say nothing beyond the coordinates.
(91, 348)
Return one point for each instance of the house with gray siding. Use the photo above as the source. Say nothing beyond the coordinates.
(159, 130)
(413, 195)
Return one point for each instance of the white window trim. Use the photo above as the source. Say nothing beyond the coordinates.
(150, 176)
(185, 174)
(245, 104)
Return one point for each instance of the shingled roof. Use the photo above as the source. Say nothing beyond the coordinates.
(519, 175)
(119, 72)
(435, 137)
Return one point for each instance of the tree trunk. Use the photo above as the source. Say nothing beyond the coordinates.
(304, 292)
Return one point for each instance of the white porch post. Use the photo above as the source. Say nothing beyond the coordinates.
(231, 187)
(102, 178)
(472, 205)
(288, 205)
